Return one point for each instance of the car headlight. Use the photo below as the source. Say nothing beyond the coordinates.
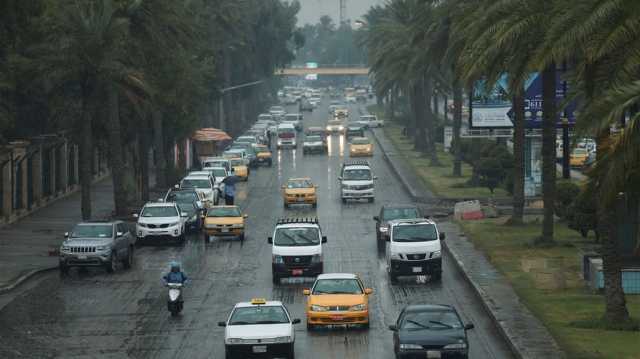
(328, 128)
(436, 254)
(286, 339)
(384, 229)
(410, 346)
(102, 248)
(457, 346)
(142, 225)
(358, 308)
(318, 308)
(395, 256)
(277, 259)
(340, 128)
(238, 226)
(316, 258)
(65, 249)
(233, 341)
(174, 224)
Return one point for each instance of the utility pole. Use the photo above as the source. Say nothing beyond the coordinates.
(343, 11)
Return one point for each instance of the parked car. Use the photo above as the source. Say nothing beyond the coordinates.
(161, 220)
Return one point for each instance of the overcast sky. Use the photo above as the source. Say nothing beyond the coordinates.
(312, 10)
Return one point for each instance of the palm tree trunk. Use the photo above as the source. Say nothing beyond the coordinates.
(158, 143)
(518, 157)
(143, 149)
(392, 103)
(429, 119)
(116, 158)
(86, 154)
(548, 150)
(418, 105)
(457, 124)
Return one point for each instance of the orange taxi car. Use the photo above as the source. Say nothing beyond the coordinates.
(337, 299)
(224, 221)
(360, 146)
(299, 191)
(263, 155)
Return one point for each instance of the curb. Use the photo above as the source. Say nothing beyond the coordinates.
(23, 278)
(520, 353)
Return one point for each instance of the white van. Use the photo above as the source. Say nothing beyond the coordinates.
(287, 135)
(296, 248)
(414, 248)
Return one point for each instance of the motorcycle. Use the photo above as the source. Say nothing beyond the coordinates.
(174, 300)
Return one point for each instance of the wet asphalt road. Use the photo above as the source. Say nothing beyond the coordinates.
(91, 314)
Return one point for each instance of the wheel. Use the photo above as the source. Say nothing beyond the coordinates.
(315, 205)
(112, 265)
(286, 205)
(275, 278)
(205, 236)
(270, 163)
(227, 355)
(344, 200)
(127, 262)
(242, 237)
(437, 276)
(292, 352)
(370, 199)
(365, 326)
(310, 327)
(393, 277)
(378, 236)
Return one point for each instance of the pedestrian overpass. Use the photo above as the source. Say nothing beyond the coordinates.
(324, 71)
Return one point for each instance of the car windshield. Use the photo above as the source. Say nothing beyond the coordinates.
(92, 231)
(335, 123)
(291, 117)
(300, 236)
(189, 208)
(261, 314)
(277, 108)
(367, 118)
(337, 286)
(433, 320)
(414, 233)
(215, 164)
(313, 138)
(195, 183)
(299, 184)
(248, 139)
(390, 214)
(360, 141)
(223, 212)
(219, 172)
(357, 175)
(580, 151)
(236, 162)
(164, 211)
(261, 149)
(182, 197)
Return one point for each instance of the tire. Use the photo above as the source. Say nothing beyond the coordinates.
(275, 279)
(378, 236)
(436, 277)
(270, 163)
(241, 237)
(227, 355)
(310, 327)
(315, 205)
(128, 261)
(112, 265)
(370, 200)
(393, 277)
(205, 236)
(292, 352)
(344, 200)
(365, 326)
(286, 205)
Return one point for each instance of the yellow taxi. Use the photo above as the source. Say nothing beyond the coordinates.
(299, 191)
(224, 221)
(337, 299)
(240, 169)
(578, 157)
(263, 155)
(360, 146)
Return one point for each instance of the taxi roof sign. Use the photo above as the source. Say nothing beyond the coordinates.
(257, 301)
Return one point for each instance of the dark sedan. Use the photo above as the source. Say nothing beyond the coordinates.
(430, 331)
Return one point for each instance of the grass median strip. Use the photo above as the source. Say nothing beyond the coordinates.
(438, 180)
(549, 281)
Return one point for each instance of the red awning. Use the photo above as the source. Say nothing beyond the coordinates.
(210, 134)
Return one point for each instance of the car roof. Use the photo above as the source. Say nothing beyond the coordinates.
(97, 221)
(160, 204)
(362, 138)
(315, 128)
(412, 221)
(285, 125)
(400, 205)
(299, 179)
(269, 303)
(337, 276)
(428, 307)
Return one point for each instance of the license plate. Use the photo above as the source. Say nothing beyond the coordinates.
(336, 317)
(417, 270)
(300, 199)
(82, 257)
(434, 354)
(263, 349)
(296, 272)
(224, 230)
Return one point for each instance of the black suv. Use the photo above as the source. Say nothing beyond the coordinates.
(389, 213)
(354, 130)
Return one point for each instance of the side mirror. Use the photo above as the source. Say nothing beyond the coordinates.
(469, 326)
(184, 214)
(340, 178)
(270, 240)
(222, 324)
(324, 239)
(283, 187)
(368, 291)
(135, 215)
(199, 204)
(375, 177)
(176, 186)
(393, 328)
(376, 218)
(442, 236)
(119, 234)
(306, 292)
(66, 234)
(295, 321)
(245, 216)
(160, 199)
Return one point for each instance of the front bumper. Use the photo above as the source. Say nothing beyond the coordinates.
(286, 143)
(337, 318)
(263, 159)
(84, 259)
(360, 153)
(300, 200)
(310, 149)
(422, 354)
(309, 270)
(224, 231)
(351, 193)
(242, 351)
(143, 232)
(408, 267)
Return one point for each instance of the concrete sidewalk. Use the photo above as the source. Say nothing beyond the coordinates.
(25, 244)
(526, 335)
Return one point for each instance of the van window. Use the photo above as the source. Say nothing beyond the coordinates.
(414, 233)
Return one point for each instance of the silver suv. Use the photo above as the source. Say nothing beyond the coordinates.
(97, 244)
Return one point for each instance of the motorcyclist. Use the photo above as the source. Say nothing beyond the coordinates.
(175, 275)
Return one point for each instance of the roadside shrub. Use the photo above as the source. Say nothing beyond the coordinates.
(581, 215)
(490, 172)
(566, 193)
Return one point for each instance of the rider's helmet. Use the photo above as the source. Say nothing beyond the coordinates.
(175, 267)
